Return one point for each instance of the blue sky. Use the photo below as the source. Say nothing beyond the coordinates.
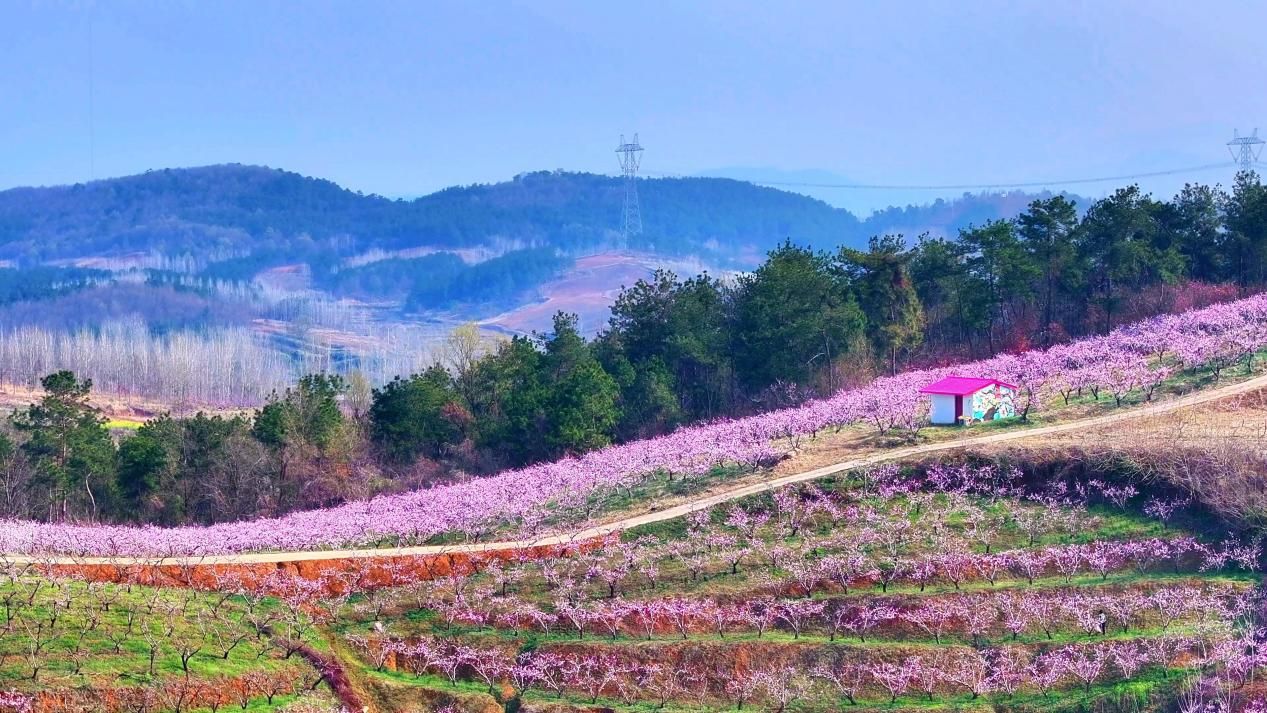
(405, 98)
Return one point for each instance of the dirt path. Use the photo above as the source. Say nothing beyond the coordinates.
(590, 533)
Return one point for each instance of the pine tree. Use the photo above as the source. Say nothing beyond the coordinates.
(881, 277)
(69, 447)
(581, 409)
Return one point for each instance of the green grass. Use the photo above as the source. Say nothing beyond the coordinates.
(1108, 525)
(203, 619)
(417, 623)
(196, 618)
(261, 704)
(527, 640)
(1134, 694)
(1097, 524)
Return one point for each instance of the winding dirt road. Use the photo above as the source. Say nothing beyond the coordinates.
(590, 533)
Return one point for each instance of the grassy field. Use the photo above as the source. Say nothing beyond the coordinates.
(132, 641)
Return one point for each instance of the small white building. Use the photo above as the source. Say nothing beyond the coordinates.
(969, 399)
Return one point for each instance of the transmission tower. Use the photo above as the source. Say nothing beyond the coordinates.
(630, 156)
(1245, 149)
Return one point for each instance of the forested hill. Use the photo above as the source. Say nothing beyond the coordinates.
(218, 211)
(680, 215)
(231, 209)
(212, 209)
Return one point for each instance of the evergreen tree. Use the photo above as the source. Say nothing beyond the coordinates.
(670, 335)
(416, 416)
(69, 447)
(310, 439)
(508, 401)
(1047, 230)
(1117, 239)
(643, 314)
(308, 413)
(698, 354)
(142, 462)
(1246, 240)
(650, 402)
(11, 496)
(1193, 224)
(581, 410)
(1000, 274)
(210, 480)
(940, 278)
(794, 316)
(881, 278)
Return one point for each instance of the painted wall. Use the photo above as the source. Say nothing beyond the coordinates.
(989, 404)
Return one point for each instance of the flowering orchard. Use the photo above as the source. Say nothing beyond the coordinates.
(1130, 363)
(954, 584)
(68, 645)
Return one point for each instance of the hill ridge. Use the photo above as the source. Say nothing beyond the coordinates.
(229, 209)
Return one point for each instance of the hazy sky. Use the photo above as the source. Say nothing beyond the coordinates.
(404, 98)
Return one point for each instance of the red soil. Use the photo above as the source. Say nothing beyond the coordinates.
(336, 575)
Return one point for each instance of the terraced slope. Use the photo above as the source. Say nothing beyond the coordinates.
(955, 588)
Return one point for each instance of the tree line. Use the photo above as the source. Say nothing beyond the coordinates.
(1052, 273)
(59, 460)
(808, 321)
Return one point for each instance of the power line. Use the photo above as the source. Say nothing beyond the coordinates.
(976, 186)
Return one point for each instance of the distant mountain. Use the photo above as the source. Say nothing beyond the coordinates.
(947, 217)
(216, 212)
(201, 211)
(892, 210)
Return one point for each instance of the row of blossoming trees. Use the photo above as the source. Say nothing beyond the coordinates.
(1131, 362)
(836, 673)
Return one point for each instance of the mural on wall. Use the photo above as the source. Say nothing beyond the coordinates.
(992, 403)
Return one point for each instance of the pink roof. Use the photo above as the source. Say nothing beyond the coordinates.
(962, 385)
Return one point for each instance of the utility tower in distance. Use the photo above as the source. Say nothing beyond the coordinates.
(1245, 150)
(630, 156)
